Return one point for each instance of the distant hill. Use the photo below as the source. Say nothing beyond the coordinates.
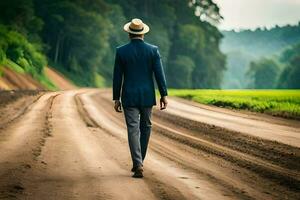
(245, 46)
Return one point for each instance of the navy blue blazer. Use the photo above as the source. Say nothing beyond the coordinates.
(135, 65)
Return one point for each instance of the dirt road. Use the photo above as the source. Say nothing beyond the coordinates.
(72, 145)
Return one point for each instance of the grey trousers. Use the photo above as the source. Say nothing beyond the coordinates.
(138, 121)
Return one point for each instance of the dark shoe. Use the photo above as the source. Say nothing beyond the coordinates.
(133, 169)
(138, 172)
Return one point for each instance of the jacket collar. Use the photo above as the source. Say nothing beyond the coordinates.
(137, 39)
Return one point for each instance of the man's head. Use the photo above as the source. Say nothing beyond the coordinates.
(136, 28)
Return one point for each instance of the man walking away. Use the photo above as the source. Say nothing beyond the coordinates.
(133, 87)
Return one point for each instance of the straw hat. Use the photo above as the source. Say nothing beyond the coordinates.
(136, 26)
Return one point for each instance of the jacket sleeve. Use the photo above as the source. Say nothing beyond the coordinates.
(117, 77)
(159, 73)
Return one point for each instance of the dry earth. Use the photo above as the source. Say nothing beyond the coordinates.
(72, 145)
(59, 79)
(11, 80)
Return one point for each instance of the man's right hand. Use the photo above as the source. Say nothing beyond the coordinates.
(117, 106)
(163, 102)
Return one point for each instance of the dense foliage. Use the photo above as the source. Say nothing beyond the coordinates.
(20, 44)
(290, 76)
(248, 46)
(264, 73)
(261, 42)
(79, 37)
(284, 103)
(22, 56)
(15, 46)
(277, 72)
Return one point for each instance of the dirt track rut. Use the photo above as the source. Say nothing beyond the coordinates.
(72, 145)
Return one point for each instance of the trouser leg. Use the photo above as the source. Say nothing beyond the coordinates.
(145, 129)
(132, 118)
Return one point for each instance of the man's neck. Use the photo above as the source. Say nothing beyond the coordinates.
(137, 38)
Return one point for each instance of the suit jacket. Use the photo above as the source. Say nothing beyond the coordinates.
(135, 65)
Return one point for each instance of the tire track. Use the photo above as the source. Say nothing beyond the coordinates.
(77, 165)
(160, 149)
(272, 130)
(155, 146)
(75, 147)
(281, 176)
(21, 148)
(19, 114)
(277, 153)
(268, 170)
(47, 128)
(160, 189)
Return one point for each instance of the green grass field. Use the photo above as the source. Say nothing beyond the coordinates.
(284, 103)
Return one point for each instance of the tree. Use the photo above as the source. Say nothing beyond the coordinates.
(290, 77)
(79, 37)
(206, 10)
(290, 53)
(290, 58)
(264, 73)
(15, 47)
(20, 16)
(181, 75)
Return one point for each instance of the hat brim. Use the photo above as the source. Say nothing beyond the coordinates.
(144, 31)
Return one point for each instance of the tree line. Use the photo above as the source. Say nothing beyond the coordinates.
(282, 71)
(79, 37)
(257, 59)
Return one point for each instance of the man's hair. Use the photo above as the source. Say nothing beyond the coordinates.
(131, 35)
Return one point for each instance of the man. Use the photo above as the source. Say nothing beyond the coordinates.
(135, 65)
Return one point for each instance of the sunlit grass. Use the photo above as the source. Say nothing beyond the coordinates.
(285, 103)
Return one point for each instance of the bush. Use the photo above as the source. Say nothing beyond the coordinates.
(2, 55)
(15, 47)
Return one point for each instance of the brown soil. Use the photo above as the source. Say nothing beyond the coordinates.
(14, 104)
(12, 80)
(72, 145)
(58, 79)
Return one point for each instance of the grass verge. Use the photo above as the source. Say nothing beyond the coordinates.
(283, 103)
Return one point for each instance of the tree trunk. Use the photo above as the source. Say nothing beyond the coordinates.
(57, 49)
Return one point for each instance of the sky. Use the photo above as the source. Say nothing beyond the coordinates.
(251, 14)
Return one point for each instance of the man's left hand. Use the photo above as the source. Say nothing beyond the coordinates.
(163, 102)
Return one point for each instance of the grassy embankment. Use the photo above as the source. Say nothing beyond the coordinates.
(284, 103)
(22, 56)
